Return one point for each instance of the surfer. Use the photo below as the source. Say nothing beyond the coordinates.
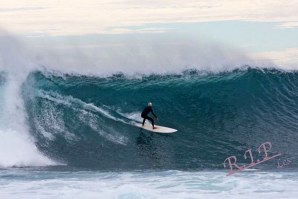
(145, 113)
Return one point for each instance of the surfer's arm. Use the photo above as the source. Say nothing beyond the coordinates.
(153, 114)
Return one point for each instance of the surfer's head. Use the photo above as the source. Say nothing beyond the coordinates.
(149, 104)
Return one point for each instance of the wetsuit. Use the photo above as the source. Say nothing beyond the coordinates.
(145, 113)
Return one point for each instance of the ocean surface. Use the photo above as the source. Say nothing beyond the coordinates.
(72, 136)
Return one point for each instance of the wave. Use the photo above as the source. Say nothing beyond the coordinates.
(86, 121)
(17, 146)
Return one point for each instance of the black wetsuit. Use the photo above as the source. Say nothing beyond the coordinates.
(145, 113)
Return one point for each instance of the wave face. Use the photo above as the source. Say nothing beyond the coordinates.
(85, 121)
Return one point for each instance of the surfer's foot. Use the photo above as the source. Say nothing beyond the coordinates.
(154, 127)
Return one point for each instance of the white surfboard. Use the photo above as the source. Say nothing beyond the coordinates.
(159, 129)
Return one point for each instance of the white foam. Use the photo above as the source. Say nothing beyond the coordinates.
(17, 147)
(18, 150)
(133, 115)
(85, 116)
(113, 135)
(70, 101)
(165, 184)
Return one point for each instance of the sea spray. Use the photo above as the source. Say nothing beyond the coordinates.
(17, 146)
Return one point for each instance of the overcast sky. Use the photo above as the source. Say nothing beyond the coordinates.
(267, 28)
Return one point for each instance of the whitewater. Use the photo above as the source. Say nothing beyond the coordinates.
(66, 124)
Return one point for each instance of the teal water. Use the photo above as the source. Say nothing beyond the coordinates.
(86, 121)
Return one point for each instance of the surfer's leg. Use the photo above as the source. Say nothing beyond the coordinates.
(144, 121)
(151, 120)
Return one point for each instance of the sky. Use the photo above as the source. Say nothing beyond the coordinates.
(263, 30)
